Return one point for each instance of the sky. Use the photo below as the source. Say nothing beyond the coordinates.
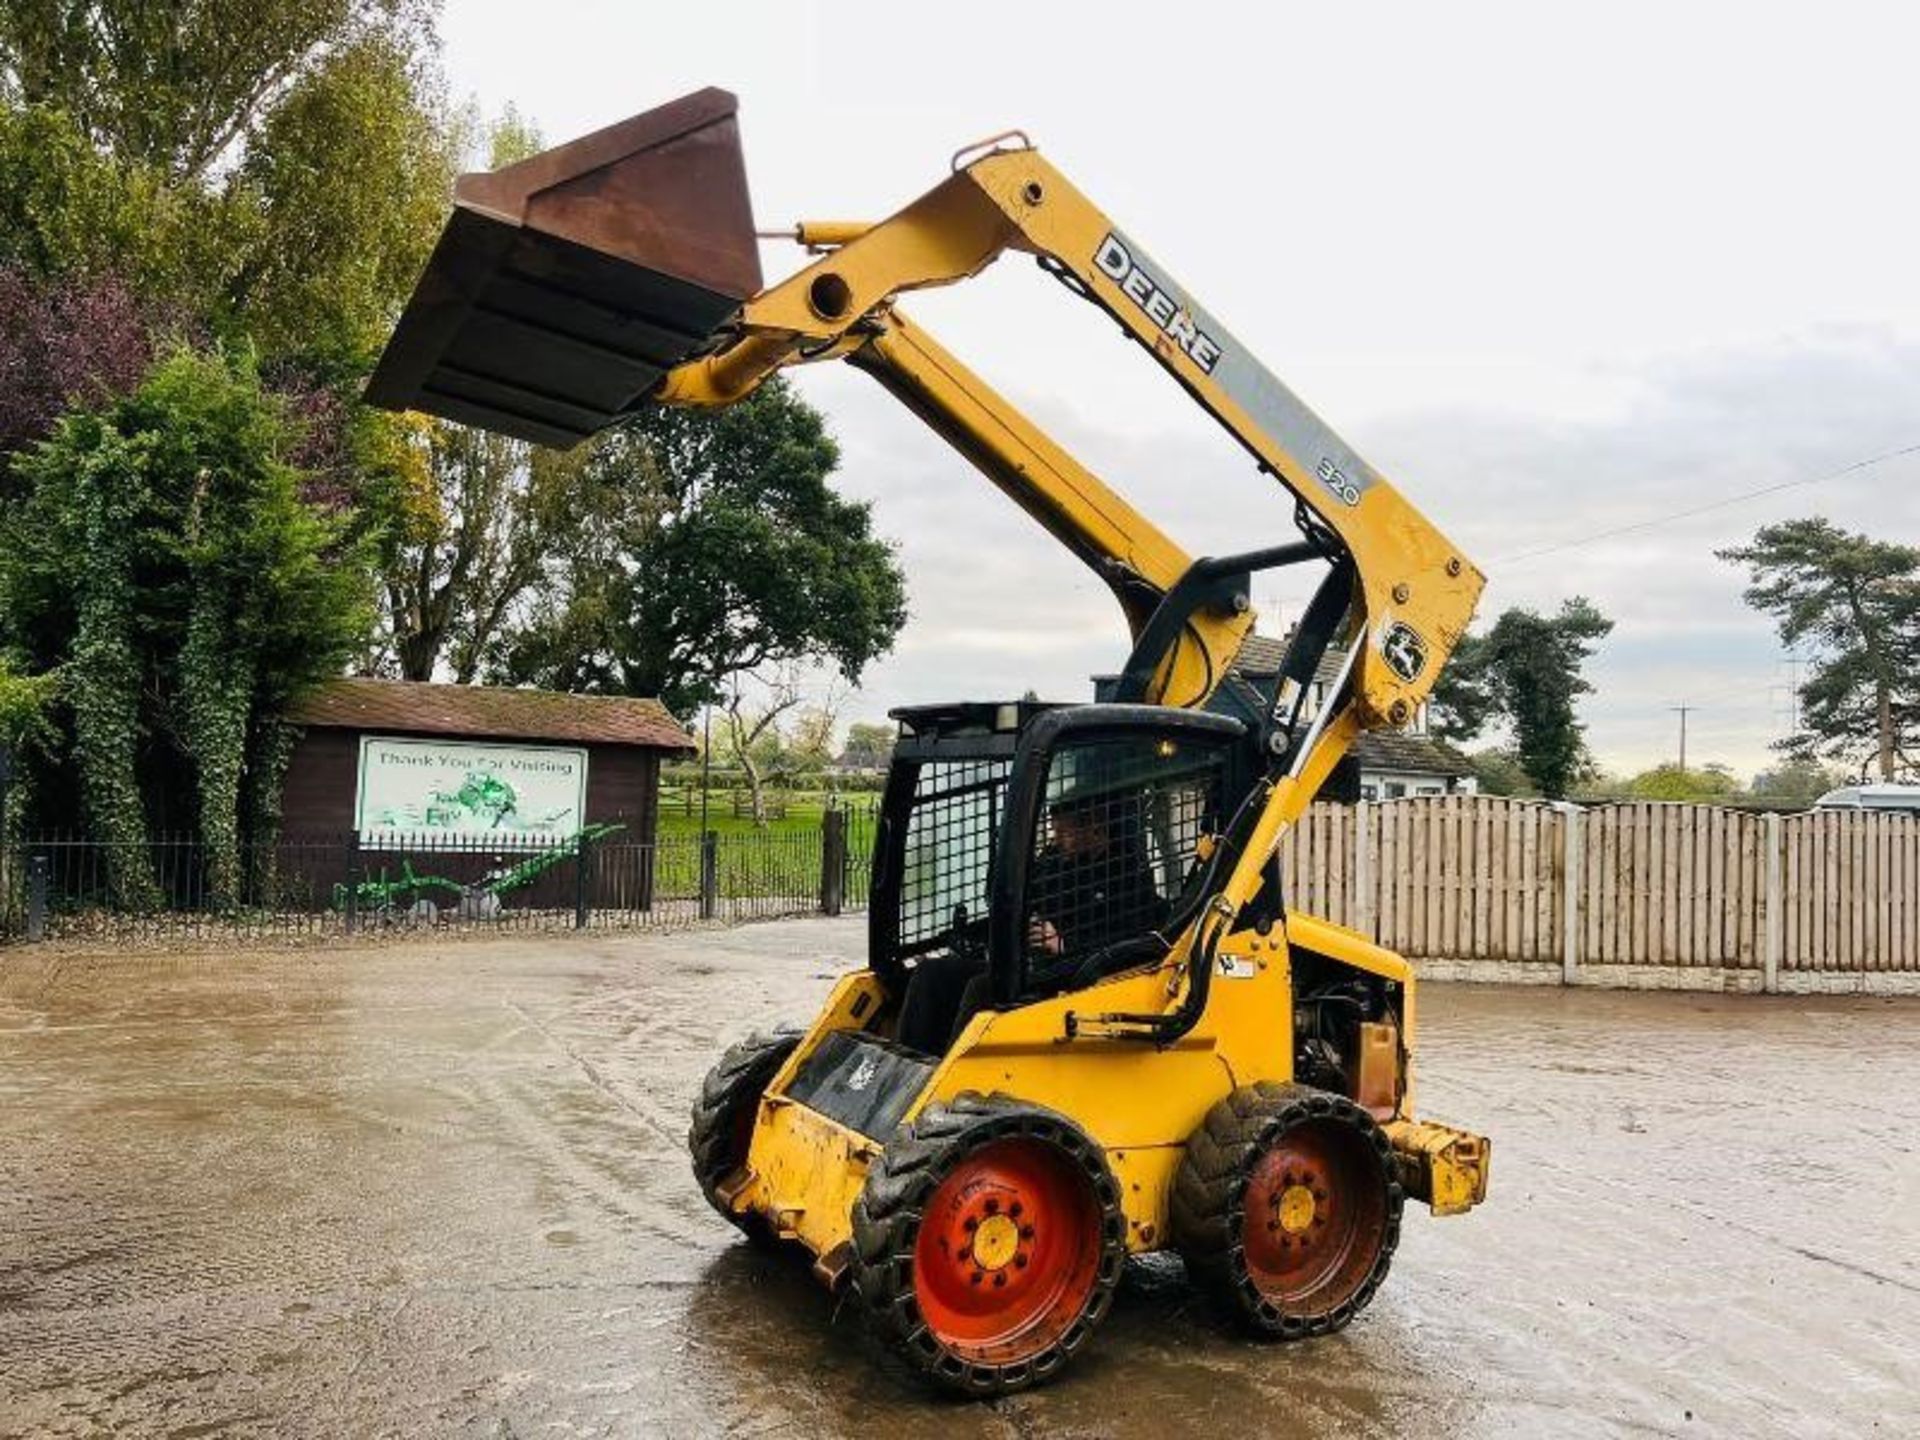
(1553, 273)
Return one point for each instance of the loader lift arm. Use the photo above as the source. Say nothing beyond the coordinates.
(620, 270)
(1411, 591)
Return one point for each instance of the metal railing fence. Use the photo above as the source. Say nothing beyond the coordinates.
(72, 887)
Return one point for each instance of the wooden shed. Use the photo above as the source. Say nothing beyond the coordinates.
(402, 766)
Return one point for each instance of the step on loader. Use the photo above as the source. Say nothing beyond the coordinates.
(1089, 1026)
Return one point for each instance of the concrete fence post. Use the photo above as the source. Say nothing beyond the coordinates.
(1775, 933)
(1570, 894)
(353, 881)
(37, 896)
(709, 873)
(582, 880)
(833, 861)
(1363, 906)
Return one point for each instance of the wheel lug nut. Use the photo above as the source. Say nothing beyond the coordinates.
(1026, 1232)
(993, 1206)
(972, 1224)
(1019, 1262)
(1014, 1209)
(978, 1276)
(1000, 1278)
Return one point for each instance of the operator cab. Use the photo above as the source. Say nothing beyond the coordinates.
(1026, 849)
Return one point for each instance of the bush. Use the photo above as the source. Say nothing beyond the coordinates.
(160, 556)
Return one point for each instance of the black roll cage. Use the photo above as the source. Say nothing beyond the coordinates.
(1024, 736)
(1026, 792)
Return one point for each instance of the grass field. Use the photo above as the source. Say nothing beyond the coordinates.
(803, 809)
(781, 857)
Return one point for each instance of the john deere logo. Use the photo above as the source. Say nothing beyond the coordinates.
(1158, 300)
(1405, 652)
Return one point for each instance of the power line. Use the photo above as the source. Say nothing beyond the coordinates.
(1710, 506)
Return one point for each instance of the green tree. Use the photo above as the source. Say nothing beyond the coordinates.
(457, 560)
(24, 704)
(267, 179)
(1499, 772)
(163, 563)
(470, 517)
(1797, 782)
(69, 210)
(277, 172)
(709, 545)
(1463, 702)
(349, 175)
(1525, 672)
(869, 747)
(334, 156)
(1854, 603)
(1701, 784)
(808, 742)
(176, 87)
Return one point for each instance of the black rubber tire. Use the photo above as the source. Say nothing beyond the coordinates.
(888, 1214)
(732, 1090)
(1207, 1211)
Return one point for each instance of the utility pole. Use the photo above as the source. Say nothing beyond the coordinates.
(1682, 711)
(706, 763)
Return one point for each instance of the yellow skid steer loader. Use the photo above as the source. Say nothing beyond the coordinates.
(1088, 1026)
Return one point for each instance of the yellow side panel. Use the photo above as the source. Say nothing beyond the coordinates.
(807, 1172)
(1349, 947)
(1146, 1180)
(803, 1171)
(1140, 1102)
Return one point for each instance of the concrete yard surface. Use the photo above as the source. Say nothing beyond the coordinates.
(442, 1189)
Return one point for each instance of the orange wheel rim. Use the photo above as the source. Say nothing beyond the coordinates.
(1008, 1252)
(1314, 1218)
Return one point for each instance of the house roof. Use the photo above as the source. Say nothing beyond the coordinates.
(1260, 658)
(481, 710)
(1262, 655)
(1392, 751)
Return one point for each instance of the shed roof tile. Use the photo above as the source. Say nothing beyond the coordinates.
(495, 712)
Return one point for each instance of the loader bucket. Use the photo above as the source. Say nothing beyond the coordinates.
(564, 286)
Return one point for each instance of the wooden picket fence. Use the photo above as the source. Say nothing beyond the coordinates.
(1478, 877)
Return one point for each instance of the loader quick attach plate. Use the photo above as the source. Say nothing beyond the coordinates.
(564, 286)
(864, 1084)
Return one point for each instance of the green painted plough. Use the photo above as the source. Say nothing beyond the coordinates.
(413, 895)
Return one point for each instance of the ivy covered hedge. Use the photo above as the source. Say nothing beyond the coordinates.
(165, 590)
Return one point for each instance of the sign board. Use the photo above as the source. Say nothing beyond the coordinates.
(513, 797)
